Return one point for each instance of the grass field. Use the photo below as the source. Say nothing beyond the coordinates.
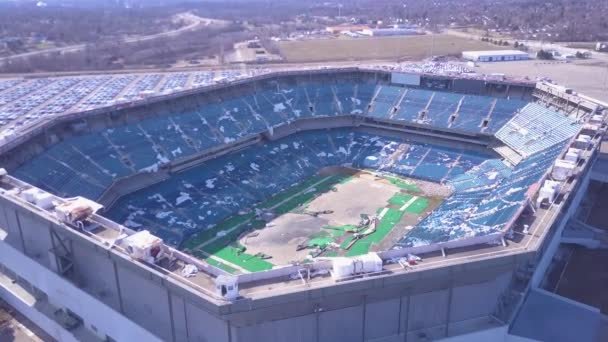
(379, 48)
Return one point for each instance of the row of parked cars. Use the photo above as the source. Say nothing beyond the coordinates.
(23, 101)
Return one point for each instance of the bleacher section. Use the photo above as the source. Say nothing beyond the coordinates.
(472, 111)
(502, 112)
(203, 196)
(536, 128)
(484, 201)
(442, 107)
(412, 104)
(385, 101)
(207, 194)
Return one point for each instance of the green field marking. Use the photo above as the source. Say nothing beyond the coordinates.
(418, 206)
(208, 234)
(400, 199)
(345, 179)
(283, 195)
(320, 239)
(337, 231)
(221, 265)
(404, 184)
(305, 197)
(321, 242)
(359, 248)
(246, 261)
(346, 241)
(319, 234)
(204, 256)
(387, 223)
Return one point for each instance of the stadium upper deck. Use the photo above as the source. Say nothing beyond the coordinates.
(487, 196)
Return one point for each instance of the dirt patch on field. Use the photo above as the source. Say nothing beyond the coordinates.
(331, 219)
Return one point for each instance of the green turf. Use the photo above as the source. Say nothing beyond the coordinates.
(298, 200)
(320, 242)
(346, 241)
(208, 234)
(201, 255)
(359, 248)
(400, 199)
(337, 231)
(418, 206)
(390, 219)
(403, 184)
(249, 262)
(221, 265)
(345, 179)
(283, 195)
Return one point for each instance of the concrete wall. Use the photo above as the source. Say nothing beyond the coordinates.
(401, 312)
(26, 308)
(552, 244)
(127, 301)
(63, 294)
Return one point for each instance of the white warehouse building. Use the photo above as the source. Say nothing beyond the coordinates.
(495, 56)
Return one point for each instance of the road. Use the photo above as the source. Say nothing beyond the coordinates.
(194, 22)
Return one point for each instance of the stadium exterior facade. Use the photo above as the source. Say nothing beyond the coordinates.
(78, 285)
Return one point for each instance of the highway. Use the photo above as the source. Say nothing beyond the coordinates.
(194, 22)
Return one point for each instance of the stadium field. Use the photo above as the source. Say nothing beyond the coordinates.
(331, 217)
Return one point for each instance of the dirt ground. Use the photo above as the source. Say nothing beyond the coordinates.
(355, 49)
(363, 194)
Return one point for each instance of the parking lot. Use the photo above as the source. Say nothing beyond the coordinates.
(24, 101)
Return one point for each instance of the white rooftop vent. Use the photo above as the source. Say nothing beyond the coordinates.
(573, 154)
(76, 209)
(144, 246)
(29, 194)
(590, 127)
(346, 267)
(44, 200)
(582, 142)
(227, 287)
(548, 192)
(562, 169)
(597, 119)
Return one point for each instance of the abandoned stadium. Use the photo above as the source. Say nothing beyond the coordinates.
(291, 203)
